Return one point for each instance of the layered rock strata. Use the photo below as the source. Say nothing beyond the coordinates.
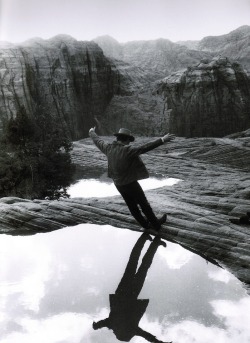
(68, 79)
(211, 99)
(215, 186)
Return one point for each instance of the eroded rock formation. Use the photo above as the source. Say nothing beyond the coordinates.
(215, 187)
(70, 79)
(210, 99)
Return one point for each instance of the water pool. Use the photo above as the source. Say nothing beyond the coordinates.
(55, 285)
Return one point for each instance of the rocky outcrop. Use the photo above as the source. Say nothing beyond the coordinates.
(210, 99)
(215, 187)
(70, 79)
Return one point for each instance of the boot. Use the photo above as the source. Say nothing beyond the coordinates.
(244, 220)
(163, 219)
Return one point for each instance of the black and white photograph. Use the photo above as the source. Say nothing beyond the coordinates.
(124, 171)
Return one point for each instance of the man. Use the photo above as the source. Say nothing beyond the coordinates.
(125, 167)
(126, 310)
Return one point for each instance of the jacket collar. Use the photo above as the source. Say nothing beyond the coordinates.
(119, 143)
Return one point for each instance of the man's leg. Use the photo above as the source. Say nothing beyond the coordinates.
(127, 192)
(126, 285)
(145, 206)
(134, 196)
(147, 260)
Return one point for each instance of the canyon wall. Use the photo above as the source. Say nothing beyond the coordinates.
(151, 87)
(204, 92)
(68, 79)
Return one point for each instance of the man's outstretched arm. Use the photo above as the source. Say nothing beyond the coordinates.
(148, 336)
(101, 145)
(154, 144)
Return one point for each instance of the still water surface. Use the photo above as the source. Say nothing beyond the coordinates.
(87, 188)
(55, 285)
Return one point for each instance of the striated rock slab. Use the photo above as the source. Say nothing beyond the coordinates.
(215, 186)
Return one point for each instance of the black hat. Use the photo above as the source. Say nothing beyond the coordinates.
(125, 133)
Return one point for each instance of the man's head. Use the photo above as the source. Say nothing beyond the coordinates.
(124, 136)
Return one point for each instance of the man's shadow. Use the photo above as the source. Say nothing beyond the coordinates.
(126, 310)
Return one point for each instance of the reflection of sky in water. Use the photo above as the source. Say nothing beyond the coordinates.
(54, 285)
(88, 188)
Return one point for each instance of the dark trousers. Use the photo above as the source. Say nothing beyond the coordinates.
(133, 278)
(134, 197)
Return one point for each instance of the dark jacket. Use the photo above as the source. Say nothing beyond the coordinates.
(125, 315)
(124, 162)
(124, 318)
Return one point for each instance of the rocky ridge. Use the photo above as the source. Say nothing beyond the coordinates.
(215, 186)
(235, 45)
(158, 58)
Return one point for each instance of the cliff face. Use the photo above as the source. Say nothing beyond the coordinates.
(71, 80)
(211, 99)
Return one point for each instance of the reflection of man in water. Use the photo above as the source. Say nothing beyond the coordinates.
(126, 310)
(125, 167)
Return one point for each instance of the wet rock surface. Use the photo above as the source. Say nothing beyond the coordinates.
(215, 187)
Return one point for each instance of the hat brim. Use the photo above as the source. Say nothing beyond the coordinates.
(131, 138)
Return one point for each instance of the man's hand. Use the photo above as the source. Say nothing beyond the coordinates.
(167, 138)
(92, 129)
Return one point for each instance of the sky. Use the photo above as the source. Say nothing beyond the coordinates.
(124, 20)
